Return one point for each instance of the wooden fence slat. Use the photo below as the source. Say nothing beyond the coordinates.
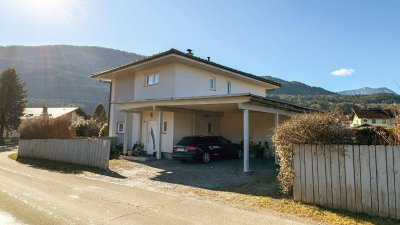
(328, 175)
(297, 178)
(302, 173)
(396, 159)
(357, 177)
(336, 199)
(342, 173)
(365, 179)
(350, 187)
(390, 181)
(315, 174)
(374, 180)
(321, 175)
(309, 174)
(381, 171)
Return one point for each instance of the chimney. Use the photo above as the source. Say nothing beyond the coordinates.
(189, 51)
(45, 113)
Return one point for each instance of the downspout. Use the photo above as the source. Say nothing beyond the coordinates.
(109, 104)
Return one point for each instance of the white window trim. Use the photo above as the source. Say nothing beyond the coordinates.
(146, 80)
(228, 87)
(214, 86)
(123, 128)
(165, 128)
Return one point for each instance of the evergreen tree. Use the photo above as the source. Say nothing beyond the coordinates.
(12, 101)
(99, 113)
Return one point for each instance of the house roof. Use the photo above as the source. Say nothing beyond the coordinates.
(374, 113)
(53, 112)
(187, 56)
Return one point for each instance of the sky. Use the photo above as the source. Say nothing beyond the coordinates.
(337, 45)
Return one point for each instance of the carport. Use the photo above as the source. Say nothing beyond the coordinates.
(160, 123)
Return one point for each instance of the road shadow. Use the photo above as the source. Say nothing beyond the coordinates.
(67, 168)
(221, 175)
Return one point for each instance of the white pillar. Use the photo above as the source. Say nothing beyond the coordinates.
(193, 124)
(160, 122)
(276, 127)
(127, 132)
(246, 140)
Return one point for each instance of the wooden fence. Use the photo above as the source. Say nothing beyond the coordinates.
(94, 153)
(351, 177)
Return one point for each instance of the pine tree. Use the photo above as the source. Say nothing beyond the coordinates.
(100, 114)
(12, 101)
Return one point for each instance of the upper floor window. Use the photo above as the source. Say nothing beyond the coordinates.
(383, 121)
(212, 83)
(365, 120)
(152, 79)
(228, 87)
(373, 121)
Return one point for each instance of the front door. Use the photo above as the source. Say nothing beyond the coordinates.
(151, 137)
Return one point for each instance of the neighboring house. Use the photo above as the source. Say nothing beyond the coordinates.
(52, 112)
(160, 99)
(372, 117)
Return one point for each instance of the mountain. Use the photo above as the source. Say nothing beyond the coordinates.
(368, 91)
(296, 88)
(59, 75)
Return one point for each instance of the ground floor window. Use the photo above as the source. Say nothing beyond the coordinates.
(120, 128)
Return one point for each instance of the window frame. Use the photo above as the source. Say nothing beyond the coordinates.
(383, 121)
(154, 77)
(212, 84)
(165, 126)
(228, 87)
(123, 128)
(373, 121)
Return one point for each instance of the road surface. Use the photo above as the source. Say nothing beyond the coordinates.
(37, 196)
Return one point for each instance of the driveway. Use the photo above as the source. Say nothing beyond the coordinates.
(38, 196)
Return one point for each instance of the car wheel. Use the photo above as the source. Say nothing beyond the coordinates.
(240, 153)
(206, 157)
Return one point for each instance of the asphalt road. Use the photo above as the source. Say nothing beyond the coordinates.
(37, 196)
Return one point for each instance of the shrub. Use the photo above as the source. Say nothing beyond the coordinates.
(41, 128)
(314, 128)
(377, 136)
(87, 128)
(116, 151)
(104, 130)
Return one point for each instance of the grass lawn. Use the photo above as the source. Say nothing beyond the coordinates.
(255, 195)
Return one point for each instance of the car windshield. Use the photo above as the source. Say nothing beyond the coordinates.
(187, 141)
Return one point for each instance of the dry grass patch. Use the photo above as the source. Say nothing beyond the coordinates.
(13, 156)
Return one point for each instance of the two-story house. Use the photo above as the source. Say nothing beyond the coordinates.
(372, 117)
(160, 99)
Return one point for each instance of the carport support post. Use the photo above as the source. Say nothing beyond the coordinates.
(246, 141)
(160, 124)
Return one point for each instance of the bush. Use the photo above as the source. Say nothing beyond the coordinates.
(41, 128)
(377, 136)
(87, 128)
(314, 128)
(104, 130)
(116, 151)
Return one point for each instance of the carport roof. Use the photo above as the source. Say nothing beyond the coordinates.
(218, 103)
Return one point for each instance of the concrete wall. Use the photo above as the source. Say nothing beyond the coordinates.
(190, 81)
(164, 89)
(94, 153)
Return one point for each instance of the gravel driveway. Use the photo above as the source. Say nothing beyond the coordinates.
(174, 177)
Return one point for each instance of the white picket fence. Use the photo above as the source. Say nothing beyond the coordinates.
(88, 152)
(351, 177)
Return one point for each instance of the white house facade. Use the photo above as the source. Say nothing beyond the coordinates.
(160, 99)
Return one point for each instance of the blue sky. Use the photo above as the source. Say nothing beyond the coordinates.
(294, 40)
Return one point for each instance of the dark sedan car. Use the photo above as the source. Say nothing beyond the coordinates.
(204, 148)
